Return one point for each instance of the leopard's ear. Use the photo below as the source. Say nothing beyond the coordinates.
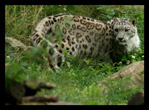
(133, 21)
(116, 19)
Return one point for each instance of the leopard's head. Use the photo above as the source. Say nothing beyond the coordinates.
(124, 29)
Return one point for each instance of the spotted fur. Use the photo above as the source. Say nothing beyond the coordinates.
(83, 36)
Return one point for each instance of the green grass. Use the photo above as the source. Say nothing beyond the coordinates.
(78, 78)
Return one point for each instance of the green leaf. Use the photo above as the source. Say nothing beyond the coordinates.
(142, 72)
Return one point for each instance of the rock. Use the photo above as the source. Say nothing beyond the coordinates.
(24, 94)
(40, 99)
(46, 85)
(132, 71)
(32, 86)
(62, 103)
(15, 43)
(14, 92)
(32, 103)
(17, 92)
(137, 99)
(49, 103)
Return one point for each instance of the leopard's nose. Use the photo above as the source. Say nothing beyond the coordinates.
(120, 39)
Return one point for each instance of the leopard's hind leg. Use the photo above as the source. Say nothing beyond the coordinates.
(55, 58)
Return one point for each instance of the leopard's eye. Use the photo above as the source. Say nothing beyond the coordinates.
(116, 30)
(126, 30)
